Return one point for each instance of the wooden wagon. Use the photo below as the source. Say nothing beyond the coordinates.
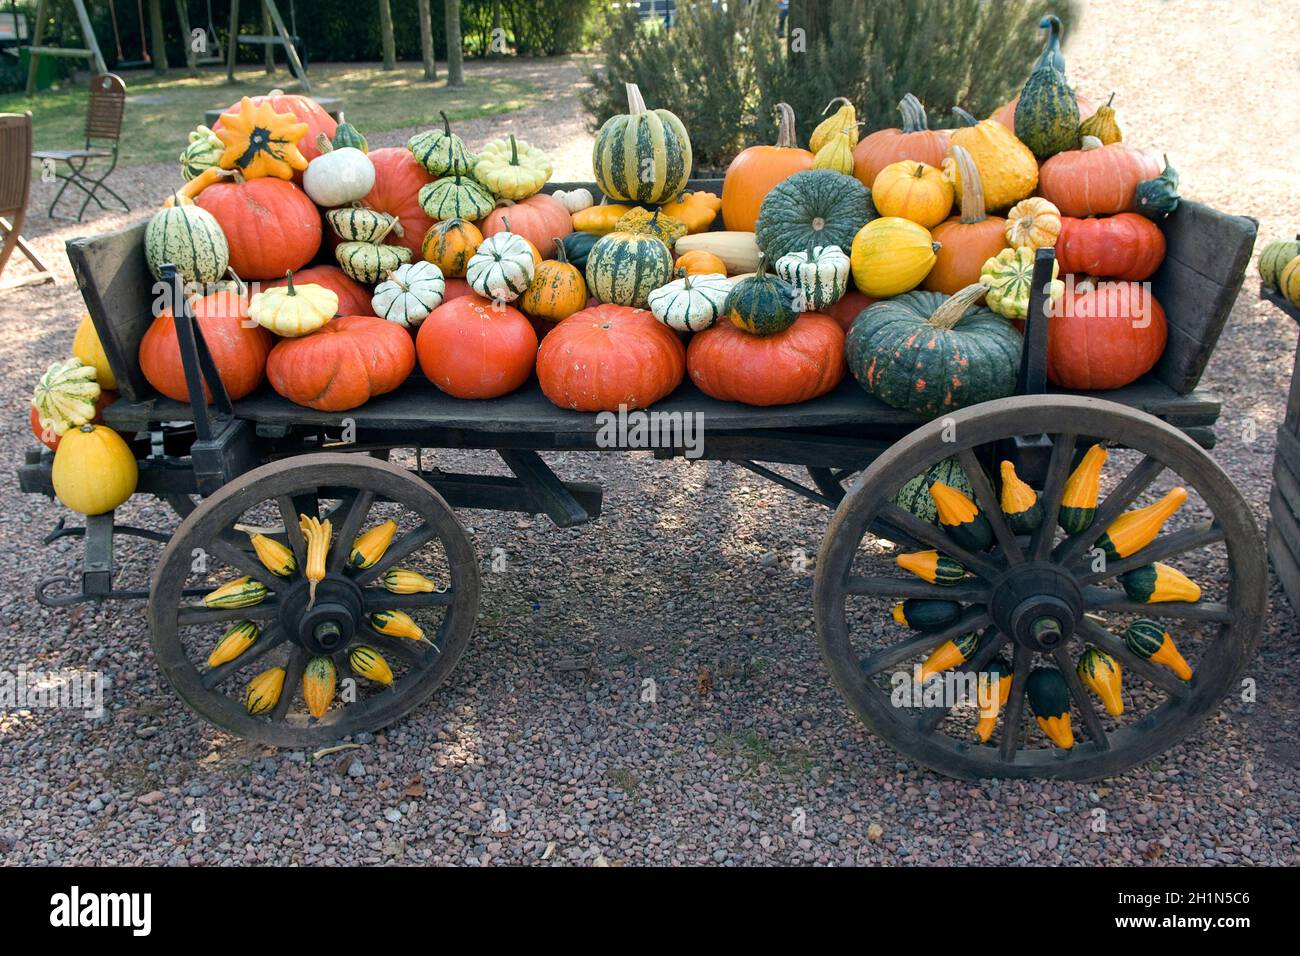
(1031, 599)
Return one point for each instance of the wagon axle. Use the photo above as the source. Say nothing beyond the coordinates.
(327, 626)
(1038, 605)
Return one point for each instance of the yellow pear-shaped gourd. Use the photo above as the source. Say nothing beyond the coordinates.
(843, 121)
(836, 155)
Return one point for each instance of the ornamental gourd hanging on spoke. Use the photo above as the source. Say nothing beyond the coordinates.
(261, 142)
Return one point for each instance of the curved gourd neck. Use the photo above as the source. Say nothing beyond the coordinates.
(785, 136)
(914, 118)
(972, 188)
(955, 306)
(1051, 57)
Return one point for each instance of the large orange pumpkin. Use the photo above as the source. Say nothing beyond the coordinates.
(454, 288)
(967, 241)
(756, 170)
(1126, 246)
(354, 298)
(849, 307)
(271, 225)
(541, 219)
(239, 347)
(343, 364)
(608, 356)
(914, 141)
(1104, 335)
(398, 178)
(801, 363)
(1096, 180)
(472, 347)
(307, 111)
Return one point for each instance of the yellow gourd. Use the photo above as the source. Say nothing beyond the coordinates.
(891, 256)
(1079, 500)
(994, 687)
(844, 121)
(370, 664)
(1102, 675)
(1149, 641)
(370, 546)
(94, 470)
(1102, 124)
(1134, 530)
(1008, 170)
(408, 582)
(318, 679)
(600, 219)
(293, 311)
(396, 624)
(241, 592)
(837, 155)
(697, 210)
(234, 642)
(264, 691)
(86, 346)
(1157, 583)
(1034, 222)
(261, 142)
(316, 534)
(959, 516)
(276, 557)
(1019, 502)
(948, 655)
(914, 191)
(646, 223)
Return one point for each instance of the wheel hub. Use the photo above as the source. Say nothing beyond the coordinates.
(328, 625)
(1038, 605)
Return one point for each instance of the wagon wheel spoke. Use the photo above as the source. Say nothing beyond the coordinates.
(244, 562)
(1126, 492)
(289, 515)
(894, 516)
(266, 610)
(991, 507)
(1151, 673)
(1166, 546)
(1015, 709)
(1058, 470)
(381, 599)
(1103, 599)
(1091, 722)
(292, 678)
(992, 643)
(270, 638)
(348, 530)
(916, 644)
(399, 550)
(411, 652)
(903, 588)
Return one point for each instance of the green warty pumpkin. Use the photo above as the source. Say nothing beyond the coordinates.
(1047, 115)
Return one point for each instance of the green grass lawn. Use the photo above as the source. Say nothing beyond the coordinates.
(161, 112)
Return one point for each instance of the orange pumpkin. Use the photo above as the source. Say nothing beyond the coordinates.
(557, 290)
(795, 365)
(239, 347)
(1104, 335)
(1095, 180)
(398, 178)
(914, 141)
(697, 262)
(912, 190)
(968, 240)
(455, 288)
(608, 356)
(449, 244)
(307, 111)
(354, 298)
(1124, 246)
(756, 170)
(472, 347)
(849, 307)
(271, 225)
(343, 364)
(541, 219)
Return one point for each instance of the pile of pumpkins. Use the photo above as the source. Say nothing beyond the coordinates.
(1279, 268)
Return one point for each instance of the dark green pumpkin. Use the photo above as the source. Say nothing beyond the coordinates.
(1274, 259)
(577, 246)
(914, 496)
(1157, 198)
(442, 152)
(762, 304)
(926, 614)
(1047, 115)
(920, 351)
(814, 207)
(623, 268)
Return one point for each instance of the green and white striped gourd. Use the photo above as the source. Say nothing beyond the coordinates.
(189, 237)
(914, 496)
(442, 152)
(820, 275)
(502, 267)
(359, 224)
(409, 294)
(369, 262)
(202, 152)
(1274, 259)
(642, 156)
(456, 197)
(65, 396)
(691, 303)
(623, 268)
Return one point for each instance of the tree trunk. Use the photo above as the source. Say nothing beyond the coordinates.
(426, 42)
(191, 54)
(455, 58)
(386, 35)
(158, 39)
(268, 51)
(232, 54)
(498, 31)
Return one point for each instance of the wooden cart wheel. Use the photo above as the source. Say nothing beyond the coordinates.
(213, 546)
(1036, 601)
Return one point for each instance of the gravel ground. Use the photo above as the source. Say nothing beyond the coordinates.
(539, 748)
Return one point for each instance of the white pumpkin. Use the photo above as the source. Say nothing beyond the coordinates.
(821, 276)
(575, 200)
(691, 303)
(502, 268)
(409, 294)
(338, 176)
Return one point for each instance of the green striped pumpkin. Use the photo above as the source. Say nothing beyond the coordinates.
(359, 224)
(762, 304)
(367, 262)
(1047, 115)
(1274, 259)
(191, 238)
(642, 155)
(819, 274)
(623, 268)
(202, 152)
(442, 152)
(914, 496)
(456, 197)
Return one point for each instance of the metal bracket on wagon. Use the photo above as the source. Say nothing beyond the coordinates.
(96, 563)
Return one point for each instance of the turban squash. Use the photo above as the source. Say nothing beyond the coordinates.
(343, 364)
(305, 110)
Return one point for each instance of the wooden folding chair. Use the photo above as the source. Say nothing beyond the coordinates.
(103, 129)
(15, 187)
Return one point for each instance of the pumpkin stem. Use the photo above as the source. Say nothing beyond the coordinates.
(514, 151)
(785, 133)
(972, 189)
(288, 282)
(1111, 100)
(241, 287)
(323, 143)
(965, 117)
(914, 119)
(560, 254)
(635, 104)
(838, 99)
(446, 123)
(954, 307)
